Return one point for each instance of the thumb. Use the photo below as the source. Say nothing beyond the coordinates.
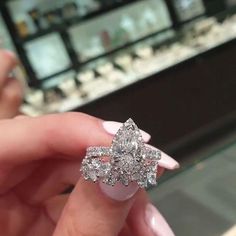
(96, 209)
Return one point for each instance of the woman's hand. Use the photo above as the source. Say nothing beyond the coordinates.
(10, 89)
(40, 158)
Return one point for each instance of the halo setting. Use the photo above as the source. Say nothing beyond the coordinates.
(127, 160)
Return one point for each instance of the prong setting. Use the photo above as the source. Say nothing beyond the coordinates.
(130, 160)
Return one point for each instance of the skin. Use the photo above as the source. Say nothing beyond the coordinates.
(11, 92)
(38, 162)
(40, 158)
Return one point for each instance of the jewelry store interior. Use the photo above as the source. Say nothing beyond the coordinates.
(168, 64)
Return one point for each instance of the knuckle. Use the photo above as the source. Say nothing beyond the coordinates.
(52, 128)
(72, 229)
(20, 117)
(13, 93)
(75, 225)
(8, 59)
(74, 116)
(66, 119)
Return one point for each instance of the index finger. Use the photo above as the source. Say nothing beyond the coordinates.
(49, 136)
(7, 63)
(66, 135)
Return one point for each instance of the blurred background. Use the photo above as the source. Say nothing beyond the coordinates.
(168, 64)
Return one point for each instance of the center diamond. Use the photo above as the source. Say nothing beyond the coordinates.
(126, 148)
(126, 163)
(129, 144)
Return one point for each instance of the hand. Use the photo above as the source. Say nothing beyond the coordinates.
(10, 89)
(40, 158)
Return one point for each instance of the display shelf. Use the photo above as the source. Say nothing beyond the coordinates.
(152, 73)
(77, 65)
(62, 29)
(76, 20)
(127, 45)
(58, 73)
(191, 51)
(111, 52)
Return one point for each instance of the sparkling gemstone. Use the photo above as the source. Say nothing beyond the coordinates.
(142, 182)
(126, 148)
(104, 169)
(124, 179)
(94, 168)
(128, 145)
(92, 175)
(151, 178)
(135, 176)
(127, 163)
(95, 163)
(128, 139)
(112, 178)
(128, 159)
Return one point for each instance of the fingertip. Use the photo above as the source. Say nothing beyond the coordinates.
(166, 161)
(10, 54)
(13, 93)
(156, 222)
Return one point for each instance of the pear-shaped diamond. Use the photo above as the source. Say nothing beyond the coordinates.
(127, 147)
(128, 140)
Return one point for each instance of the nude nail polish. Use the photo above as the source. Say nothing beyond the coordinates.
(119, 192)
(156, 222)
(166, 161)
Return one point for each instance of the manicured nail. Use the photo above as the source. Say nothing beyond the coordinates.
(112, 127)
(119, 192)
(156, 222)
(166, 161)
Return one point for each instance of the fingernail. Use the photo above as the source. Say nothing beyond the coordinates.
(119, 192)
(112, 127)
(156, 222)
(166, 161)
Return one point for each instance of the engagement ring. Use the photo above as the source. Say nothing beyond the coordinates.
(126, 160)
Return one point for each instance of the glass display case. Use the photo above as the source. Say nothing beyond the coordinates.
(7, 43)
(188, 9)
(75, 52)
(51, 52)
(5, 39)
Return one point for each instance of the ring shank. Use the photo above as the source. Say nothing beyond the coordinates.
(99, 151)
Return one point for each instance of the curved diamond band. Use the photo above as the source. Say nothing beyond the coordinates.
(150, 153)
(98, 151)
(127, 160)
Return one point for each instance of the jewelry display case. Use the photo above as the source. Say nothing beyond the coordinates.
(167, 64)
(7, 43)
(5, 40)
(75, 52)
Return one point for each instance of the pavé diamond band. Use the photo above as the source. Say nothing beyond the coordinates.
(127, 160)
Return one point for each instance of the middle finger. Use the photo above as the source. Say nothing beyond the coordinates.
(7, 63)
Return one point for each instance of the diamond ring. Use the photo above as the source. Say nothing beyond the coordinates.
(126, 160)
